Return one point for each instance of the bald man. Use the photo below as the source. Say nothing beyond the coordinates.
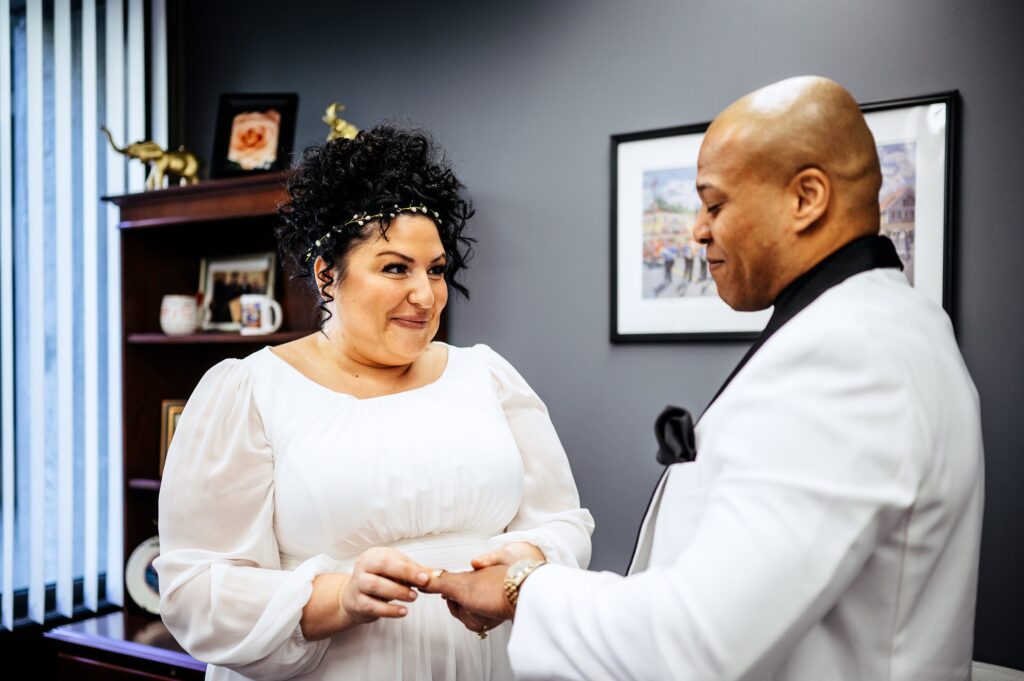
(829, 526)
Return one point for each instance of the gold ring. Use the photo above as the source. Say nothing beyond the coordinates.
(438, 572)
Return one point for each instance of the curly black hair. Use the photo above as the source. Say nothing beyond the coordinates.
(383, 166)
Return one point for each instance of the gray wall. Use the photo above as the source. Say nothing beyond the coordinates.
(524, 97)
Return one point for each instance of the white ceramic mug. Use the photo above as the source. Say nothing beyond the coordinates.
(178, 315)
(260, 314)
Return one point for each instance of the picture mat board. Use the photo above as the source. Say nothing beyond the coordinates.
(925, 125)
(639, 315)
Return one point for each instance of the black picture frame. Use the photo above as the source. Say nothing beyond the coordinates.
(251, 116)
(640, 280)
(950, 101)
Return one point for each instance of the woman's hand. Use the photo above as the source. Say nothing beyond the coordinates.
(380, 575)
(507, 554)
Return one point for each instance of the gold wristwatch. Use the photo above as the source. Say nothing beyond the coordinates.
(517, 572)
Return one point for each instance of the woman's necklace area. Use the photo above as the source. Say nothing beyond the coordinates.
(331, 357)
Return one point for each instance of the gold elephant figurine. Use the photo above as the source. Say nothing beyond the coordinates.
(182, 163)
(339, 126)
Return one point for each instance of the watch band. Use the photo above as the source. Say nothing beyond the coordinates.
(517, 572)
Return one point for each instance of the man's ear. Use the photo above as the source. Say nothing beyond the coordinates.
(810, 191)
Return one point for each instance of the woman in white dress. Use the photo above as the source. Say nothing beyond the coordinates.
(311, 487)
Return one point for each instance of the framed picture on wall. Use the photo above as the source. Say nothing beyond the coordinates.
(254, 133)
(916, 141)
(661, 289)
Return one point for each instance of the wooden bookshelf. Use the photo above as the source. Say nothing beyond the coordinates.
(164, 236)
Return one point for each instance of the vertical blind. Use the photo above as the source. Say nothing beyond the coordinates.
(66, 67)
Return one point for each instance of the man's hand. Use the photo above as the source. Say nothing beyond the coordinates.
(475, 623)
(479, 594)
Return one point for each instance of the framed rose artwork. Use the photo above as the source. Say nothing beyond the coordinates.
(254, 133)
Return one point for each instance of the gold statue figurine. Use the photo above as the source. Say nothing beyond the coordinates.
(182, 163)
(339, 126)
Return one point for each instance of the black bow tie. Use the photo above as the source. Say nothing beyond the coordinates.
(674, 430)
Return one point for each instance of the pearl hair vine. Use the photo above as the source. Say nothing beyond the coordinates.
(361, 219)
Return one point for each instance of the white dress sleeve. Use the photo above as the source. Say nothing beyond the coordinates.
(223, 594)
(549, 515)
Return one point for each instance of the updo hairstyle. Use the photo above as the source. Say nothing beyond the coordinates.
(382, 167)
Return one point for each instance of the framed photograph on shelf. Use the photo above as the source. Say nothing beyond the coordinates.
(254, 133)
(222, 282)
(661, 289)
(170, 411)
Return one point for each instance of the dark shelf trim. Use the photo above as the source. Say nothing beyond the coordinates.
(150, 223)
(216, 338)
(179, 194)
(147, 484)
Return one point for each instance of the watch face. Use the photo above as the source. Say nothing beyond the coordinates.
(516, 574)
(520, 565)
(528, 563)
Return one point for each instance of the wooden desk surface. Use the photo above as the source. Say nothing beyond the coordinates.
(127, 633)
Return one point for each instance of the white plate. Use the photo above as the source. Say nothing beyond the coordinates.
(141, 578)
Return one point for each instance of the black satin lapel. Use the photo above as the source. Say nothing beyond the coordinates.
(860, 255)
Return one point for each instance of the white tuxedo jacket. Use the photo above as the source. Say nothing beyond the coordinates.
(829, 529)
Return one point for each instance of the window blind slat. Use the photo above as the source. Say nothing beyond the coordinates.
(6, 324)
(158, 73)
(90, 303)
(65, 300)
(135, 93)
(36, 324)
(115, 107)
